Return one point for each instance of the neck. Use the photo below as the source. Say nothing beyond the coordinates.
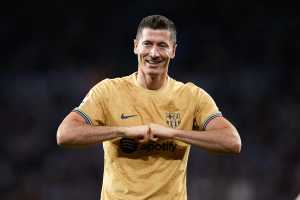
(151, 82)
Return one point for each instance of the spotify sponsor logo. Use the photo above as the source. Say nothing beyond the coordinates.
(128, 145)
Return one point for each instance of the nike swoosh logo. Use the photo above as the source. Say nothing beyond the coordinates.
(123, 116)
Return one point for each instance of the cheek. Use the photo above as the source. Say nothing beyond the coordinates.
(144, 52)
(141, 56)
(138, 49)
(167, 55)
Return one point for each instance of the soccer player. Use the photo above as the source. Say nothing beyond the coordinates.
(147, 121)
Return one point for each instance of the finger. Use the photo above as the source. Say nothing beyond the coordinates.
(147, 135)
(154, 138)
(152, 135)
(144, 138)
(141, 139)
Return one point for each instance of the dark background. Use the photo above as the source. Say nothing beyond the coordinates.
(245, 54)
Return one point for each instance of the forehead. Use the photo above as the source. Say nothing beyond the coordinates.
(155, 35)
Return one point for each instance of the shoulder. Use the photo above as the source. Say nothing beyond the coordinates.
(187, 87)
(112, 83)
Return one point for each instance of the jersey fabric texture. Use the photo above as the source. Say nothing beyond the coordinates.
(154, 170)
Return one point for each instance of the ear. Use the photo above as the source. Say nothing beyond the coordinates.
(135, 44)
(173, 51)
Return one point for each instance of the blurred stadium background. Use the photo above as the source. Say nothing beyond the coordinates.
(245, 54)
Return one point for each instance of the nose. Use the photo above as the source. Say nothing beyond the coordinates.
(154, 52)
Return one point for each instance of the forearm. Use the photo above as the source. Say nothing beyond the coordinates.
(224, 140)
(76, 134)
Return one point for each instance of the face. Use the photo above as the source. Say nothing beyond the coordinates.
(154, 49)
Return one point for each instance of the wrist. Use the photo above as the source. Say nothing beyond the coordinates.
(121, 131)
(174, 133)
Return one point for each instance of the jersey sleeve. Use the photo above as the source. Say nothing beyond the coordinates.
(206, 109)
(92, 108)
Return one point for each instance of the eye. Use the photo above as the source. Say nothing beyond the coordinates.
(147, 44)
(163, 45)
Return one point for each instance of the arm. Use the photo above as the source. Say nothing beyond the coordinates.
(73, 131)
(220, 136)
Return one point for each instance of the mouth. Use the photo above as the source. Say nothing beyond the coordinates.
(153, 62)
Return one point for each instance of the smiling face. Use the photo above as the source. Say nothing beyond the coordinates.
(154, 49)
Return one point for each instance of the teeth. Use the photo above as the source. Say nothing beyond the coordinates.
(153, 62)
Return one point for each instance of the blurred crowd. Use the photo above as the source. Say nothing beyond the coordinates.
(248, 64)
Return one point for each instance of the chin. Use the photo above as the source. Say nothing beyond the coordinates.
(154, 71)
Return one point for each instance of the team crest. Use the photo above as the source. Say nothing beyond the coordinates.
(173, 119)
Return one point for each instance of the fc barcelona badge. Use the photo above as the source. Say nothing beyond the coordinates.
(173, 119)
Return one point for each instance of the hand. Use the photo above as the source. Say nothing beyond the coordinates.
(160, 132)
(141, 133)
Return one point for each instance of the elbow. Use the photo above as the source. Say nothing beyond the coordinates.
(235, 146)
(68, 133)
(61, 137)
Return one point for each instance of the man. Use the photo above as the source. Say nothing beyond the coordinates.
(147, 121)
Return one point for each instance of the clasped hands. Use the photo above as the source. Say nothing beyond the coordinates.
(146, 133)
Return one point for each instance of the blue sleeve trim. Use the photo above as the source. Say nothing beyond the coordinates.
(211, 117)
(82, 114)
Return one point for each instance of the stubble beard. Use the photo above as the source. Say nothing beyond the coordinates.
(154, 72)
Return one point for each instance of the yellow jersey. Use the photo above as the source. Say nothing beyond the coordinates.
(155, 170)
